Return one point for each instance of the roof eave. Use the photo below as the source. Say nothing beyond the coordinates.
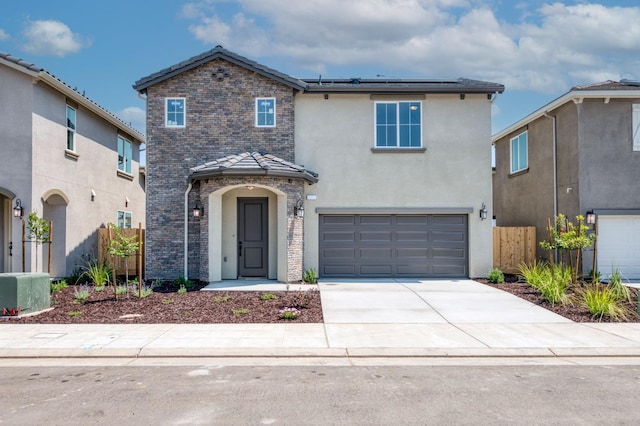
(558, 102)
(205, 174)
(402, 90)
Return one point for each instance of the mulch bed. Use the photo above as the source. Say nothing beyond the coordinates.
(574, 311)
(165, 305)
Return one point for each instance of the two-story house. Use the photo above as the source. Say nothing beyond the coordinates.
(578, 154)
(254, 173)
(66, 158)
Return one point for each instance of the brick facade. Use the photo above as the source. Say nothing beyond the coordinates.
(220, 120)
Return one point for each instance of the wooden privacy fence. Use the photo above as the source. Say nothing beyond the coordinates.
(136, 262)
(513, 246)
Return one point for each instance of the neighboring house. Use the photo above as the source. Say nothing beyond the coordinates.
(355, 178)
(580, 153)
(66, 158)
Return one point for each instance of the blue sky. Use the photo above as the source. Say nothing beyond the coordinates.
(537, 49)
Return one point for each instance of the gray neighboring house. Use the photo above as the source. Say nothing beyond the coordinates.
(356, 178)
(580, 153)
(68, 159)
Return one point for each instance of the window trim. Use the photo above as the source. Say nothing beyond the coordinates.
(397, 146)
(71, 131)
(125, 141)
(635, 127)
(257, 112)
(511, 165)
(166, 112)
(124, 218)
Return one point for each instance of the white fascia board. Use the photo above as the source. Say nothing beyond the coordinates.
(569, 96)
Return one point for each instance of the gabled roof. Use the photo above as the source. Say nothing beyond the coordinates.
(41, 74)
(382, 85)
(217, 53)
(252, 164)
(606, 90)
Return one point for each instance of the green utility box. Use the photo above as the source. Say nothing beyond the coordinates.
(29, 292)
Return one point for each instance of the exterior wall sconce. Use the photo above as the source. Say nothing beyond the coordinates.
(483, 212)
(18, 210)
(591, 217)
(93, 195)
(198, 210)
(298, 210)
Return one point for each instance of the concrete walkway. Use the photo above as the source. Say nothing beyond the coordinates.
(362, 320)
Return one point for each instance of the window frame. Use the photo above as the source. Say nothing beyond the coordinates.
(511, 145)
(258, 112)
(398, 125)
(125, 213)
(166, 112)
(127, 166)
(635, 127)
(71, 131)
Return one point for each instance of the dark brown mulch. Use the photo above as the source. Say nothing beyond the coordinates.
(573, 311)
(165, 305)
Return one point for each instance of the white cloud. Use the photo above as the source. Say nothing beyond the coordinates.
(135, 117)
(545, 50)
(49, 37)
(3, 35)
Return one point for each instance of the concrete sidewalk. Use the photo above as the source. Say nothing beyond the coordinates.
(384, 319)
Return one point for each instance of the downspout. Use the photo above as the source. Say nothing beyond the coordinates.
(186, 231)
(555, 172)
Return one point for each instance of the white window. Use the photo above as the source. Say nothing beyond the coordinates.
(635, 119)
(398, 124)
(71, 128)
(175, 112)
(124, 155)
(265, 112)
(124, 219)
(519, 153)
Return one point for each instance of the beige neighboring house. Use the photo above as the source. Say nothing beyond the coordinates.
(355, 178)
(66, 158)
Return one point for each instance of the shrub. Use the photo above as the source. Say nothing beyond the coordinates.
(73, 314)
(97, 272)
(289, 313)
(58, 286)
(182, 282)
(182, 290)
(167, 301)
(601, 301)
(619, 290)
(551, 282)
(310, 276)
(268, 296)
(145, 291)
(495, 276)
(122, 289)
(81, 293)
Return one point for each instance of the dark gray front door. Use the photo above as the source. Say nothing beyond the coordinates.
(362, 246)
(252, 237)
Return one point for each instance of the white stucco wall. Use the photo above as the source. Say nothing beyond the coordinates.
(334, 137)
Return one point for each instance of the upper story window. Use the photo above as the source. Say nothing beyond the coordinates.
(519, 152)
(125, 155)
(124, 219)
(175, 112)
(635, 127)
(71, 128)
(399, 124)
(265, 112)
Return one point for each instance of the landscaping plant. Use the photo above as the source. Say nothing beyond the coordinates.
(98, 272)
(495, 276)
(619, 290)
(602, 301)
(289, 313)
(38, 231)
(81, 293)
(310, 276)
(124, 247)
(552, 282)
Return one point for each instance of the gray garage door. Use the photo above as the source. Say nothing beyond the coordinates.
(369, 246)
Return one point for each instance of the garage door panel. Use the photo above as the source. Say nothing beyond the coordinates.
(393, 246)
(619, 245)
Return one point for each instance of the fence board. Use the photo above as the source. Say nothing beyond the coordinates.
(136, 262)
(513, 246)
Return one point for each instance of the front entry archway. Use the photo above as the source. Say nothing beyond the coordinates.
(55, 211)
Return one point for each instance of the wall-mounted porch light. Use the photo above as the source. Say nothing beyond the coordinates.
(483, 212)
(591, 217)
(298, 210)
(18, 210)
(198, 210)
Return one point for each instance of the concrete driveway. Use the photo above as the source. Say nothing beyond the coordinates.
(405, 301)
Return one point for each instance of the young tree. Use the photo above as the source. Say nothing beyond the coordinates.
(566, 235)
(38, 231)
(124, 247)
